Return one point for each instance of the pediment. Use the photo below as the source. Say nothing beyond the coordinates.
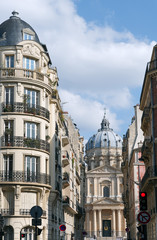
(106, 201)
(104, 169)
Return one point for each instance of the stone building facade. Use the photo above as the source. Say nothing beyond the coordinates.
(133, 169)
(73, 180)
(148, 104)
(104, 179)
(33, 139)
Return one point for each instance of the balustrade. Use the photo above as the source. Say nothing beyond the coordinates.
(26, 108)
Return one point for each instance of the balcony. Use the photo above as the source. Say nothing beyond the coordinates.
(65, 159)
(27, 212)
(150, 175)
(78, 178)
(145, 118)
(7, 211)
(65, 180)
(19, 107)
(24, 176)
(146, 147)
(11, 73)
(151, 66)
(67, 204)
(79, 209)
(18, 141)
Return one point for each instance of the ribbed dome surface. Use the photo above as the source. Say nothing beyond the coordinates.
(11, 31)
(105, 137)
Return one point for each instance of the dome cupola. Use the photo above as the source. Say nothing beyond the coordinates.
(14, 30)
(105, 137)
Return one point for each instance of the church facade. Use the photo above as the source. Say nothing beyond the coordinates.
(104, 185)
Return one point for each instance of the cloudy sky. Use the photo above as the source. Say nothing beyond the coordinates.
(100, 49)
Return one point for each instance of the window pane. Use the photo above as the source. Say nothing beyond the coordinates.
(28, 63)
(9, 95)
(9, 61)
(12, 61)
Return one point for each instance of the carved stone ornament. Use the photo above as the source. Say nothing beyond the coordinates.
(17, 191)
(31, 49)
(3, 37)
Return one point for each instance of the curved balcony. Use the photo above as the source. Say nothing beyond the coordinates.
(25, 73)
(24, 176)
(19, 107)
(17, 141)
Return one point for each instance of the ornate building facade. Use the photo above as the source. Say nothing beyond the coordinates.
(104, 206)
(33, 139)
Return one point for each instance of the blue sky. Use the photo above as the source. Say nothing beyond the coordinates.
(100, 48)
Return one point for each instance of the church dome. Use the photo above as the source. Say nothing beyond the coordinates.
(105, 137)
(12, 31)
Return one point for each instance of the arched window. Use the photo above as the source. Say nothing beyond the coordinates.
(29, 233)
(8, 233)
(106, 192)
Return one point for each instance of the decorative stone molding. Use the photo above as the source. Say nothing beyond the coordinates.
(31, 49)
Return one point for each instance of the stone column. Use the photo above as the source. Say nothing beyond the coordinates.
(114, 222)
(88, 187)
(118, 187)
(87, 222)
(98, 188)
(112, 188)
(95, 187)
(100, 224)
(119, 223)
(94, 223)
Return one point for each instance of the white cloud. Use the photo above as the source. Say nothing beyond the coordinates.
(88, 113)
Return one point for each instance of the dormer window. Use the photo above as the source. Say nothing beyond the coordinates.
(28, 36)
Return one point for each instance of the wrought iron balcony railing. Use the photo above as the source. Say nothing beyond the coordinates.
(24, 176)
(66, 200)
(18, 141)
(151, 66)
(21, 107)
(27, 212)
(7, 211)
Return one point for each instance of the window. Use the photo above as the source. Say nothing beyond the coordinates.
(9, 95)
(106, 191)
(31, 130)
(8, 233)
(29, 63)
(32, 97)
(31, 167)
(28, 36)
(9, 61)
(9, 132)
(29, 233)
(8, 166)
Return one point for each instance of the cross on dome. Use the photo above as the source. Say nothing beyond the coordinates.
(105, 123)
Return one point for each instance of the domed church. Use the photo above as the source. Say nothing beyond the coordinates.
(104, 179)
